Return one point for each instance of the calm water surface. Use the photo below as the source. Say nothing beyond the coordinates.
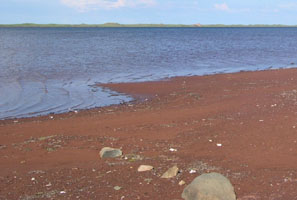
(52, 70)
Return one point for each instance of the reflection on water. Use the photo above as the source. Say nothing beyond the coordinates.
(45, 70)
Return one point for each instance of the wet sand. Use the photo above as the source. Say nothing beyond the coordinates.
(251, 114)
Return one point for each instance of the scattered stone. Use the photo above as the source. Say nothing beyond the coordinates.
(148, 180)
(36, 172)
(50, 149)
(108, 152)
(117, 188)
(219, 145)
(46, 137)
(212, 186)
(172, 149)
(3, 146)
(192, 171)
(171, 172)
(182, 183)
(48, 185)
(62, 192)
(42, 195)
(133, 157)
(143, 168)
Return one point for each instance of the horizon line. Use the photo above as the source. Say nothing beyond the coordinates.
(114, 24)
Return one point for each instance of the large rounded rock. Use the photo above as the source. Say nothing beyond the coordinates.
(212, 186)
(108, 152)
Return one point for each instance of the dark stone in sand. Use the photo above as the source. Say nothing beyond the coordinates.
(108, 152)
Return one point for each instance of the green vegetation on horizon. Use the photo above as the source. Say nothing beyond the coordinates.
(140, 25)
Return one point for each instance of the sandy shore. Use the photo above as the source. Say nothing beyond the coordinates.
(253, 115)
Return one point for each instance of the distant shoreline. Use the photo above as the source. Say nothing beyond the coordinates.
(117, 25)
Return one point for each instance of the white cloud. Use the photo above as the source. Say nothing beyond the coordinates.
(288, 6)
(222, 7)
(85, 5)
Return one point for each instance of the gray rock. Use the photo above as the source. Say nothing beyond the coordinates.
(171, 172)
(212, 186)
(108, 152)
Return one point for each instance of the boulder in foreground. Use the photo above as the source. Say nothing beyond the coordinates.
(212, 186)
(108, 152)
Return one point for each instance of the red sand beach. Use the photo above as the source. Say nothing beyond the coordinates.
(242, 125)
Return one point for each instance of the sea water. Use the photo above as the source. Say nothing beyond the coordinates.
(54, 70)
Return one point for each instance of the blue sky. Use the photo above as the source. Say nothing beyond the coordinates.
(149, 11)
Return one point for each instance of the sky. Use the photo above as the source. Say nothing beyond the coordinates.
(149, 11)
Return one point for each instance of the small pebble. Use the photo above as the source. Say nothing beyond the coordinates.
(182, 183)
(117, 188)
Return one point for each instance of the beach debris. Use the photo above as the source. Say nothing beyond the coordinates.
(108, 152)
(36, 172)
(48, 185)
(172, 149)
(148, 180)
(133, 157)
(46, 137)
(143, 168)
(219, 145)
(170, 173)
(181, 183)
(209, 187)
(117, 188)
